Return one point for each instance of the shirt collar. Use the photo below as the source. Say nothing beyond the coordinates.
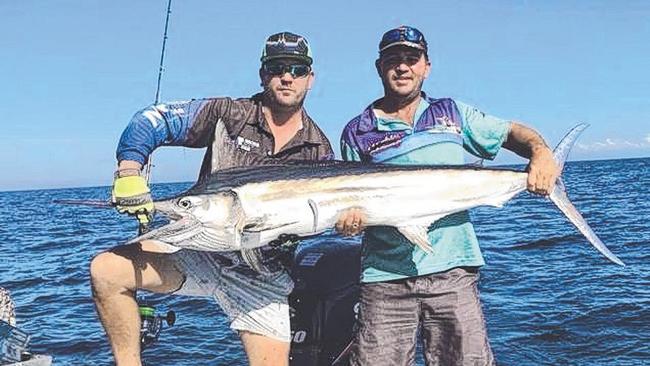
(307, 134)
(369, 122)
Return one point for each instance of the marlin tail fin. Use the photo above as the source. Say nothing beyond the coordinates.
(561, 200)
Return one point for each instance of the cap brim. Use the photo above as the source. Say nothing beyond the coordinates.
(305, 59)
(403, 43)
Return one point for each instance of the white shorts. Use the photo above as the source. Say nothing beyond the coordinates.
(253, 301)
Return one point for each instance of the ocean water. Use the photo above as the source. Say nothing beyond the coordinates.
(549, 298)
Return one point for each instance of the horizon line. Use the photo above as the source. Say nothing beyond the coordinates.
(157, 183)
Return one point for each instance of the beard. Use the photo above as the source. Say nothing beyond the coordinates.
(288, 103)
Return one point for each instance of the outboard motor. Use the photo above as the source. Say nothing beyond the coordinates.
(324, 302)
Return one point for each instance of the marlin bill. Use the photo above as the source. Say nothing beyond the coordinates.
(241, 207)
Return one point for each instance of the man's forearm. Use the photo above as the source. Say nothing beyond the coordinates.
(524, 141)
(542, 169)
(164, 124)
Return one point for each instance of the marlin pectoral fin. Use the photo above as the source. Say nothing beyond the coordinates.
(314, 210)
(417, 235)
(255, 236)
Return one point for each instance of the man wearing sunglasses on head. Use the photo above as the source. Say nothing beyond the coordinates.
(407, 292)
(251, 286)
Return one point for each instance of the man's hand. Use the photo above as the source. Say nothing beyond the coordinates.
(542, 171)
(351, 222)
(131, 195)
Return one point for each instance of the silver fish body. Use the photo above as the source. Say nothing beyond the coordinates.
(407, 199)
(241, 207)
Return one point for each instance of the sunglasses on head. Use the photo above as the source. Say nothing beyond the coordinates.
(278, 69)
(408, 34)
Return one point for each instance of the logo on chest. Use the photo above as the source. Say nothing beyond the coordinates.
(445, 124)
(246, 144)
(384, 142)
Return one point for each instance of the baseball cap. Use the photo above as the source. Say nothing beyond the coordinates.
(403, 36)
(286, 45)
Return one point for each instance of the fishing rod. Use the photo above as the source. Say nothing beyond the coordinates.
(161, 69)
(143, 228)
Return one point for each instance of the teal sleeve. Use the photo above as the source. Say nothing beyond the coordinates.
(349, 153)
(483, 134)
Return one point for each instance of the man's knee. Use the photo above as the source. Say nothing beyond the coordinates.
(109, 271)
(264, 351)
(129, 267)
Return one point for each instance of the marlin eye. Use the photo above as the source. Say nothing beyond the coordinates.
(185, 203)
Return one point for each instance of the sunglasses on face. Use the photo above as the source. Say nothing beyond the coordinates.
(393, 59)
(296, 70)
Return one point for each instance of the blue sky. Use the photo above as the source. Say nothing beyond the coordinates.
(73, 72)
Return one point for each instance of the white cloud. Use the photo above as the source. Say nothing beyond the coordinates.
(613, 144)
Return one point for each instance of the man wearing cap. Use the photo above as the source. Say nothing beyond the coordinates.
(250, 286)
(406, 291)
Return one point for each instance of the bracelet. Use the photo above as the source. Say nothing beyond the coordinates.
(129, 172)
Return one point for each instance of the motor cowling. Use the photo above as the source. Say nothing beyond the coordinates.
(324, 301)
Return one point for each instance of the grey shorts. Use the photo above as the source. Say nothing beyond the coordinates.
(443, 308)
(253, 301)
